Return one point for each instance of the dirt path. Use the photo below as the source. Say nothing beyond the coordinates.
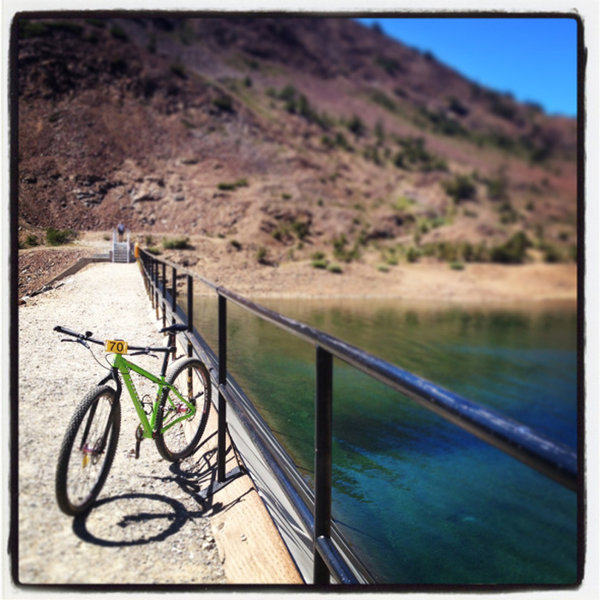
(151, 525)
(145, 513)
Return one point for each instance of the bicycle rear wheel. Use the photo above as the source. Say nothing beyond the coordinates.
(177, 435)
(88, 450)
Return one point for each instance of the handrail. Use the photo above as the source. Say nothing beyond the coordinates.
(552, 459)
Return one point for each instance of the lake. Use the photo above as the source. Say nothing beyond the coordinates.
(423, 502)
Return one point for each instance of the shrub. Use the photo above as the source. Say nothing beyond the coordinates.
(460, 188)
(179, 70)
(67, 26)
(178, 243)
(32, 240)
(457, 266)
(412, 254)
(236, 244)
(154, 250)
(301, 229)
(356, 126)
(318, 255)
(57, 237)
(340, 250)
(551, 253)
(513, 251)
(390, 65)
(119, 34)
(320, 263)
(223, 103)
(99, 23)
(334, 268)
(233, 185)
(498, 186)
(341, 142)
(383, 268)
(261, 255)
(31, 29)
(507, 213)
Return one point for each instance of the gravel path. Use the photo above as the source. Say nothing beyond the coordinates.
(149, 526)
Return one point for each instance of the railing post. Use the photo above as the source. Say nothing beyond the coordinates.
(174, 293)
(222, 409)
(155, 279)
(323, 451)
(163, 290)
(190, 312)
(174, 303)
(150, 272)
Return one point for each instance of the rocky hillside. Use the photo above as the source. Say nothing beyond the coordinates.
(289, 136)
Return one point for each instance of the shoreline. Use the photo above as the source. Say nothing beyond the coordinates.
(476, 284)
(425, 284)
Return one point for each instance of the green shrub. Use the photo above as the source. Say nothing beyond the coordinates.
(119, 34)
(383, 268)
(498, 186)
(32, 240)
(57, 237)
(341, 142)
(460, 188)
(154, 250)
(447, 251)
(301, 229)
(390, 65)
(356, 126)
(320, 263)
(507, 213)
(412, 254)
(551, 253)
(178, 243)
(99, 23)
(67, 26)
(317, 255)
(236, 244)
(233, 185)
(223, 103)
(334, 268)
(342, 252)
(403, 204)
(261, 255)
(457, 266)
(31, 29)
(513, 251)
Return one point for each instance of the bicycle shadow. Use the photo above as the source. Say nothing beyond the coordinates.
(136, 520)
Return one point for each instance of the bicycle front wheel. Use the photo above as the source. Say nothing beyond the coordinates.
(184, 408)
(88, 450)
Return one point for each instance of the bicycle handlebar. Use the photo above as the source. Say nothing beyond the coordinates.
(83, 338)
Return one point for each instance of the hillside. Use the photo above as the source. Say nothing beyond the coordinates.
(286, 139)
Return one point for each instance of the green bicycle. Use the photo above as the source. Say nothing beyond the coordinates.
(176, 419)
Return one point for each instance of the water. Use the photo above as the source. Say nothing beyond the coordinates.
(422, 501)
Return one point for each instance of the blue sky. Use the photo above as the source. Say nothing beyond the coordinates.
(534, 59)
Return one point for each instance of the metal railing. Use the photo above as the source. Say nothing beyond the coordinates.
(331, 554)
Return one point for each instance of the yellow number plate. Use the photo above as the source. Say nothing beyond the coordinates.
(115, 346)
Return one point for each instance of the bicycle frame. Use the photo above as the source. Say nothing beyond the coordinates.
(123, 367)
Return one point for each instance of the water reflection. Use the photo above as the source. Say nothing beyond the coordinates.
(428, 502)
